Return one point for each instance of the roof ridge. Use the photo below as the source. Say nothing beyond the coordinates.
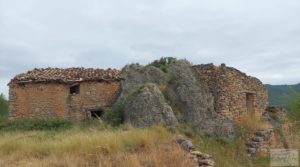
(65, 75)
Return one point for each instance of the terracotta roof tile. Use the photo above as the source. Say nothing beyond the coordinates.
(66, 75)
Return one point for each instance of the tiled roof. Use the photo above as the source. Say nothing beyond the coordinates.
(66, 75)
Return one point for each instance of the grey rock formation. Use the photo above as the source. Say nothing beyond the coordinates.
(195, 102)
(147, 107)
(136, 75)
(145, 103)
(187, 145)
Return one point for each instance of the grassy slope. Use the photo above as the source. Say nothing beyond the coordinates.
(97, 144)
(91, 147)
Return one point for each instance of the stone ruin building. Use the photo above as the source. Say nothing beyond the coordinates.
(79, 93)
(236, 95)
(72, 93)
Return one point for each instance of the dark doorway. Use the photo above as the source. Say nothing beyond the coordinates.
(96, 113)
(250, 103)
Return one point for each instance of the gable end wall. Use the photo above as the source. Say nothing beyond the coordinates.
(229, 87)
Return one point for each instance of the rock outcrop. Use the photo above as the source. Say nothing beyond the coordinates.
(147, 107)
(136, 76)
(147, 90)
(195, 102)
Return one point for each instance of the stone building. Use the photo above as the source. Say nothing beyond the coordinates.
(72, 93)
(79, 93)
(236, 95)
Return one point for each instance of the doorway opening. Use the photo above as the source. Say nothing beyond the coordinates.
(250, 103)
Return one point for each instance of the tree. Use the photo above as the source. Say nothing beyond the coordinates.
(3, 106)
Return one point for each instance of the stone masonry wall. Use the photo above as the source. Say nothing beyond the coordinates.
(53, 100)
(229, 87)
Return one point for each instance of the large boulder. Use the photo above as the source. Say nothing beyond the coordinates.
(195, 102)
(136, 76)
(147, 107)
(145, 103)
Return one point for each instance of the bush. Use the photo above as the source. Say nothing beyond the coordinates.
(163, 63)
(114, 115)
(35, 124)
(3, 106)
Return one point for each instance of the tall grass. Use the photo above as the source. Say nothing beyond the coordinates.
(108, 141)
(124, 146)
(97, 144)
(253, 123)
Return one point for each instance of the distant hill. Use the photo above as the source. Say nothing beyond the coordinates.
(278, 93)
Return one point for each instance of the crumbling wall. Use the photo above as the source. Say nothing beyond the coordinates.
(53, 100)
(93, 95)
(229, 87)
(37, 100)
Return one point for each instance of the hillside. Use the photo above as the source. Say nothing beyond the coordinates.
(278, 93)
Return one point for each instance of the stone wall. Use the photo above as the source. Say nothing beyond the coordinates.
(230, 87)
(53, 100)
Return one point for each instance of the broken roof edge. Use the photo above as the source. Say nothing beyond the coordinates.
(223, 66)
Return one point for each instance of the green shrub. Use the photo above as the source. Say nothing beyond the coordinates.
(35, 124)
(3, 106)
(163, 63)
(114, 115)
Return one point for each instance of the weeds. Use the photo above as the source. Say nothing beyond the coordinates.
(34, 124)
(114, 115)
(252, 123)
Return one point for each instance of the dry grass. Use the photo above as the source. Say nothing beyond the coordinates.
(160, 155)
(226, 152)
(128, 148)
(122, 147)
(253, 123)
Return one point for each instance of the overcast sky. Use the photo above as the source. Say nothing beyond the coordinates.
(259, 37)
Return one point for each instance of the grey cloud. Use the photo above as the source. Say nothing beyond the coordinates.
(260, 38)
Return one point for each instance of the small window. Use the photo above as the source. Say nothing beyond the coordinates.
(74, 89)
(96, 113)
